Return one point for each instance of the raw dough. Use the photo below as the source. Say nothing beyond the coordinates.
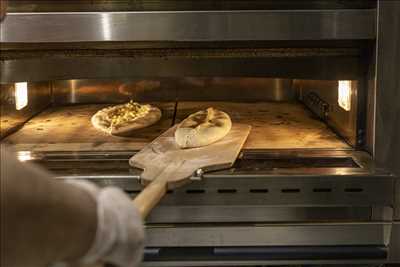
(124, 118)
(203, 128)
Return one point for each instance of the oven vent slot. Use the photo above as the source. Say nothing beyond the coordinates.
(353, 190)
(259, 191)
(227, 191)
(322, 190)
(195, 191)
(290, 190)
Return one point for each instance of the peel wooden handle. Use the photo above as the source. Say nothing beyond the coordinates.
(150, 196)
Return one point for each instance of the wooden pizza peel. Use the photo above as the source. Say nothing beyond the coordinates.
(165, 165)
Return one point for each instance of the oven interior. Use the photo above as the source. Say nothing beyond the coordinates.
(286, 115)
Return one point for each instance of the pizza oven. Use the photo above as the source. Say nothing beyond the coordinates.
(313, 184)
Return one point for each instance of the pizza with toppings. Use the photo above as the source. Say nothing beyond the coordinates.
(124, 118)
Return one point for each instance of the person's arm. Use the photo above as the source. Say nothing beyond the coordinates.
(44, 221)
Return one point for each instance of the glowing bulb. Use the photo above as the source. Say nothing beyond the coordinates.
(24, 155)
(344, 95)
(106, 26)
(21, 95)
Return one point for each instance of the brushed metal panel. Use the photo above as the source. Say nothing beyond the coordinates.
(230, 263)
(261, 213)
(356, 191)
(270, 235)
(308, 186)
(158, 5)
(173, 89)
(394, 248)
(65, 67)
(283, 190)
(370, 104)
(397, 200)
(387, 127)
(235, 89)
(296, 254)
(183, 26)
(86, 91)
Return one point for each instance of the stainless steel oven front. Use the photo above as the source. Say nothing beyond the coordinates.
(312, 184)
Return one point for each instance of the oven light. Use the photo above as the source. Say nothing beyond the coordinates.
(106, 26)
(344, 95)
(21, 95)
(24, 156)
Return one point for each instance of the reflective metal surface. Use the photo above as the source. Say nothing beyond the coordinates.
(67, 66)
(370, 90)
(387, 127)
(173, 89)
(158, 5)
(251, 192)
(183, 26)
(344, 122)
(114, 91)
(229, 263)
(395, 243)
(270, 235)
(387, 143)
(282, 190)
(254, 213)
(11, 119)
(397, 200)
(245, 184)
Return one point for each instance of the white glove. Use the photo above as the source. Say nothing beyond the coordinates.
(119, 236)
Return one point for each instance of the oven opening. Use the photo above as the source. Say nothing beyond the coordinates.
(297, 124)
(284, 114)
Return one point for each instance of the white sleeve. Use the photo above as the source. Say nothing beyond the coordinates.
(120, 234)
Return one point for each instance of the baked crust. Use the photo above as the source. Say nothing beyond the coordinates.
(202, 128)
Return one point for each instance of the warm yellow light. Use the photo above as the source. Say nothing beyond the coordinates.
(344, 95)
(21, 95)
(106, 26)
(24, 155)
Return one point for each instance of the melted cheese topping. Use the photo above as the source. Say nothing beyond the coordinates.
(127, 113)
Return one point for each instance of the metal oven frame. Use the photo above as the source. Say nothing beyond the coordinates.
(307, 215)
